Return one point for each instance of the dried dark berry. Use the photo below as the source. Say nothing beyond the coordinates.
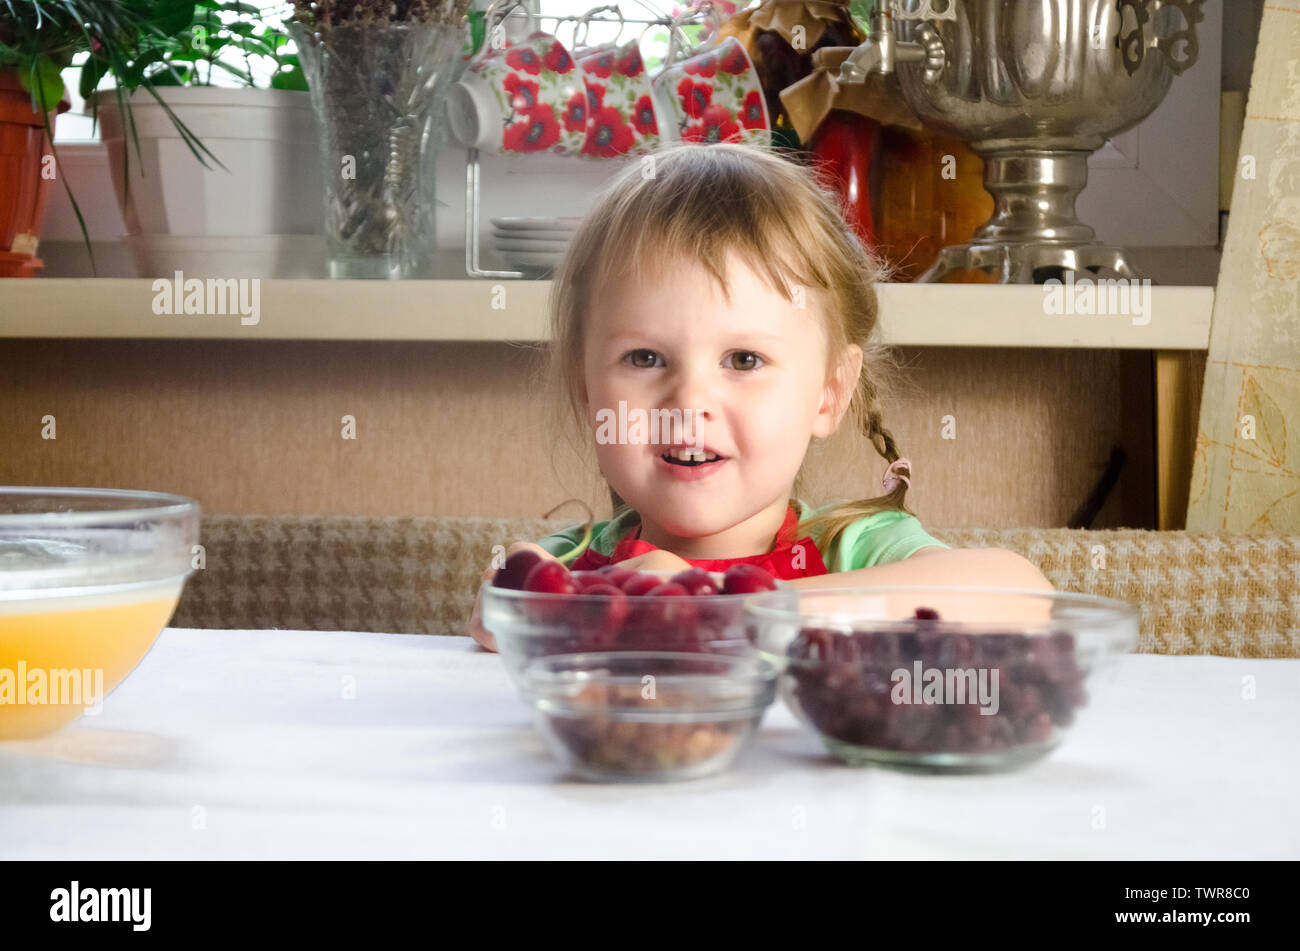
(846, 687)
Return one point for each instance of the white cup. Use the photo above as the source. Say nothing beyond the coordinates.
(513, 100)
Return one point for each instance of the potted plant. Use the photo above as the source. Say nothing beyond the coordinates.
(227, 75)
(38, 41)
(25, 174)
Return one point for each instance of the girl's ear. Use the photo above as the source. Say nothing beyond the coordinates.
(838, 393)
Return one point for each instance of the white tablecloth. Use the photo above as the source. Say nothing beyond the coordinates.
(243, 744)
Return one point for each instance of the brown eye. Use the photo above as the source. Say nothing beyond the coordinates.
(642, 359)
(745, 360)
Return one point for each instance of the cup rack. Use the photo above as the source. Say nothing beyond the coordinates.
(700, 12)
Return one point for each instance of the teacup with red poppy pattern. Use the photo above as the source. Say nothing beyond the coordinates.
(513, 100)
(713, 96)
(621, 114)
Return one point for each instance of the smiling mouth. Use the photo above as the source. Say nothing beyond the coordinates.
(690, 457)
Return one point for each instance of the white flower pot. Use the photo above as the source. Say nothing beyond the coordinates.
(270, 186)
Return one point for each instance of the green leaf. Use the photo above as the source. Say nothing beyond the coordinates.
(477, 30)
(173, 16)
(860, 11)
(138, 66)
(176, 76)
(196, 147)
(290, 79)
(44, 80)
(92, 71)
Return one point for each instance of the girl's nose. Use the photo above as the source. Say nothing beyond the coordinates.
(692, 390)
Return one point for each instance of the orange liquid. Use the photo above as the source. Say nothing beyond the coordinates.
(99, 632)
(921, 212)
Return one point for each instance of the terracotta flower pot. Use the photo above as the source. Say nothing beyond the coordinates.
(23, 190)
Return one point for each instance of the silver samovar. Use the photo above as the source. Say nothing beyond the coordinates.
(1035, 87)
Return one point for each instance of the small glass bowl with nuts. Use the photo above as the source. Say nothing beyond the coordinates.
(648, 715)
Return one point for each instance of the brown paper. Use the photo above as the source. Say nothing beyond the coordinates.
(813, 15)
(741, 28)
(808, 101)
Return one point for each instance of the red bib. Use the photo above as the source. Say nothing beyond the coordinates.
(780, 562)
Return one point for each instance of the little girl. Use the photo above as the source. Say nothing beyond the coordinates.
(720, 285)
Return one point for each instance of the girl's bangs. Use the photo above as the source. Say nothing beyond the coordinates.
(651, 250)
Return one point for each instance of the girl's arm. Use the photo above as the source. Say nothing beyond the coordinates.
(976, 567)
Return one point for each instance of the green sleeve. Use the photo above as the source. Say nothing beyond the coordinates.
(880, 539)
(565, 540)
(604, 535)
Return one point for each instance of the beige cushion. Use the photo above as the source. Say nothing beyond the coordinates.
(1200, 593)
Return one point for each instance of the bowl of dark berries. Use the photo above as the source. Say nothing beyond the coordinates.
(547, 609)
(649, 715)
(941, 679)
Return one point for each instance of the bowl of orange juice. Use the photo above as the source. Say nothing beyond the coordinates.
(88, 580)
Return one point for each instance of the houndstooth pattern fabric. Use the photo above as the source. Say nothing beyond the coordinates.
(1199, 593)
(400, 575)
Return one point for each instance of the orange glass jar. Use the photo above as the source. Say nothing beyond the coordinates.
(928, 201)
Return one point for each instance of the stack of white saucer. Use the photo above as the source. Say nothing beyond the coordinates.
(533, 244)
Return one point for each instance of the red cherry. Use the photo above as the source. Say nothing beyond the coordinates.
(669, 589)
(586, 580)
(671, 621)
(746, 579)
(549, 577)
(696, 581)
(604, 609)
(605, 588)
(719, 624)
(640, 584)
(515, 571)
(615, 575)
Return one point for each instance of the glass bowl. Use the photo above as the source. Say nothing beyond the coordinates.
(88, 579)
(528, 625)
(994, 682)
(648, 715)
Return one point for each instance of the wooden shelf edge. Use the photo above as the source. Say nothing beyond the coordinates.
(921, 315)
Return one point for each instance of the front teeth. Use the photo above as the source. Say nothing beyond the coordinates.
(688, 454)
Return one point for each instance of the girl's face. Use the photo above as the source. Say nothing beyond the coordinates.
(753, 373)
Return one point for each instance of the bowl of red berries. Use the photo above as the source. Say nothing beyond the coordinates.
(649, 715)
(537, 607)
(941, 679)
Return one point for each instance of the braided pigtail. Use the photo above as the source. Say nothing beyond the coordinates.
(828, 527)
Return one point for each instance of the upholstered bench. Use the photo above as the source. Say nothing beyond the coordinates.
(1200, 593)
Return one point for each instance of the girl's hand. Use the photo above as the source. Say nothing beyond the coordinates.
(657, 560)
(476, 629)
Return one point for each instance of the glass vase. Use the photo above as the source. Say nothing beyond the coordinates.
(376, 89)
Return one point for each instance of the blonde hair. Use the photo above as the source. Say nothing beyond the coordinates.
(697, 203)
